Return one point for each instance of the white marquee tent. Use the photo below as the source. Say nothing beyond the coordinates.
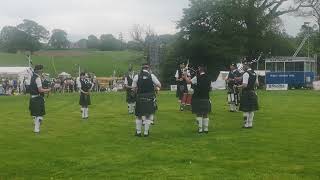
(16, 72)
(220, 83)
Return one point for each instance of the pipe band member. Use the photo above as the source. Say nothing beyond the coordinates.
(37, 102)
(131, 94)
(201, 104)
(144, 84)
(233, 79)
(85, 87)
(182, 87)
(249, 98)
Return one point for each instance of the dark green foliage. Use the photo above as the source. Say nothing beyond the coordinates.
(59, 39)
(109, 43)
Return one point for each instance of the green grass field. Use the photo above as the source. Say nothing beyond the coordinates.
(55, 62)
(284, 144)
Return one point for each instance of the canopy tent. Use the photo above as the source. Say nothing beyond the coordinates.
(16, 72)
(64, 75)
(220, 83)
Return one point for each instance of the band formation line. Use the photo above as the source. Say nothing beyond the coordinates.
(193, 93)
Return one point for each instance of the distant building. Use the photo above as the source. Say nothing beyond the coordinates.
(291, 71)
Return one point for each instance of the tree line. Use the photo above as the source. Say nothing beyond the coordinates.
(31, 36)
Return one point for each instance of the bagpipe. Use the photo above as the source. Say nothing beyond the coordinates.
(46, 84)
(188, 69)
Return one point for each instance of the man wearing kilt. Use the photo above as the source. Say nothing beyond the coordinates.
(37, 102)
(233, 93)
(249, 99)
(84, 87)
(131, 95)
(145, 84)
(182, 87)
(201, 104)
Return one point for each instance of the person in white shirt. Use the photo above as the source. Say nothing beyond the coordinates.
(131, 95)
(144, 84)
(37, 103)
(85, 87)
(249, 98)
(182, 87)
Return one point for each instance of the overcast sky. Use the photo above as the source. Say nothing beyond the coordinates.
(81, 18)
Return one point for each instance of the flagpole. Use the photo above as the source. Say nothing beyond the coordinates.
(29, 60)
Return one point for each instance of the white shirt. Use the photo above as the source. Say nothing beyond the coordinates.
(153, 77)
(38, 82)
(194, 80)
(78, 82)
(131, 75)
(245, 77)
(177, 73)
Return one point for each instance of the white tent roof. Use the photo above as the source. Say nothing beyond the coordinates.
(64, 74)
(17, 71)
(13, 70)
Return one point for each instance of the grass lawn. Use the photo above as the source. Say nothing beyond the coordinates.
(55, 62)
(284, 144)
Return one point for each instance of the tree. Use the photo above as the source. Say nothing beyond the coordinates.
(13, 40)
(253, 18)
(82, 44)
(139, 34)
(310, 8)
(36, 31)
(109, 43)
(93, 42)
(218, 32)
(59, 39)
(133, 45)
(26, 36)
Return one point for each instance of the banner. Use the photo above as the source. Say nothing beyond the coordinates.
(277, 87)
(316, 85)
(173, 87)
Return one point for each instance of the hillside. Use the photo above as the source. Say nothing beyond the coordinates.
(55, 62)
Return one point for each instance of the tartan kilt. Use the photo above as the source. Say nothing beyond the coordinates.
(37, 107)
(131, 96)
(231, 90)
(181, 89)
(249, 101)
(84, 100)
(145, 104)
(201, 106)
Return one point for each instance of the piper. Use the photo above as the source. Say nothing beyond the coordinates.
(37, 102)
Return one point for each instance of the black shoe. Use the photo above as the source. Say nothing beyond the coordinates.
(206, 132)
(247, 127)
(138, 134)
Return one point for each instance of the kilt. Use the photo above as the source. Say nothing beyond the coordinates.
(249, 101)
(145, 104)
(201, 106)
(84, 100)
(131, 96)
(181, 89)
(36, 106)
